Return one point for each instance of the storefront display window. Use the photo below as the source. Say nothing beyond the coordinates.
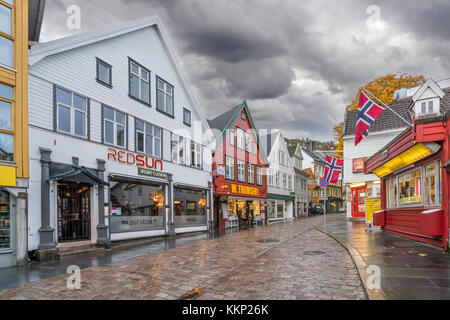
(410, 188)
(392, 192)
(189, 206)
(5, 221)
(272, 211)
(280, 209)
(431, 184)
(231, 207)
(136, 207)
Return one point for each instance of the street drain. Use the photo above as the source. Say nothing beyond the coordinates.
(194, 293)
(313, 253)
(267, 240)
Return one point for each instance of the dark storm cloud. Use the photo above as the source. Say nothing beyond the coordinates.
(298, 63)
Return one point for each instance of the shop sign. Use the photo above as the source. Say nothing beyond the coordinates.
(384, 154)
(138, 160)
(153, 173)
(372, 205)
(250, 191)
(358, 165)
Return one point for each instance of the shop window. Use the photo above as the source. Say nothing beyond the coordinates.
(139, 85)
(148, 139)
(241, 170)
(259, 176)
(136, 207)
(250, 173)
(270, 177)
(272, 209)
(71, 112)
(104, 73)
(189, 207)
(229, 168)
(410, 188)
(5, 220)
(114, 127)
(280, 209)
(431, 186)
(6, 112)
(164, 97)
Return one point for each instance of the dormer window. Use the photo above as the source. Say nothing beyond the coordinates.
(427, 107)
(430, 107)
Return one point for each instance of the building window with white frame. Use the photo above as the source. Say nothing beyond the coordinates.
(248, 142)
(7, 37)
(231, 137)
(240, 138)
(284, 181)
(259, 176)
(270, 177)
(71, 112)
(241, 170)
(139, 82)
(148, 139)
(178, 144)
(229, 168)
(277, 179)
(114, 127)
(289, 182)
(431, 183)
(196, 155)
(250, 173)
(186, 117)
(164, 96)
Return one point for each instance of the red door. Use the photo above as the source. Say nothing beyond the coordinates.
(358, 205)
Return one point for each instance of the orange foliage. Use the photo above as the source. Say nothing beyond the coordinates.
(383, 87)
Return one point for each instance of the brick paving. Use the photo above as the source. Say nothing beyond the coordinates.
(287, 260)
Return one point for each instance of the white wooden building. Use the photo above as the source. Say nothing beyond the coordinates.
(116, 148)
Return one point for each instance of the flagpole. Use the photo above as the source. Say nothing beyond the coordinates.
(374, 96)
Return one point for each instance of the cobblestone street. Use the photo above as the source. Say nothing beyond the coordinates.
(287, 260)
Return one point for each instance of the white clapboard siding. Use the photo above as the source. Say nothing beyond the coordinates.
(96, 120)
(366, 148)
(40, 103)
(131, 138)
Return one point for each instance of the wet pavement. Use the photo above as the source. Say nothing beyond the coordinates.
(409, 269)
(288, 260)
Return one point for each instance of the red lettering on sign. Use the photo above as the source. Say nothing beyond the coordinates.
(140, 160)
(133, 159)
(111, 154)
(120, 156)
(156, 164)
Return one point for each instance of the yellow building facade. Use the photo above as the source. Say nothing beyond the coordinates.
(14, 162)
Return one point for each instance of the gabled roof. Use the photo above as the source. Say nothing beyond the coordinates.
(385, 122)
(301, 172)
(269, 139)
(314, 156)
(226, 120)
(430, 83)
(293, 148)
(222, 121)
(42, 50)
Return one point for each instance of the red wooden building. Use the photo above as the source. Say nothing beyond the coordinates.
(239, 170)
(414, 171)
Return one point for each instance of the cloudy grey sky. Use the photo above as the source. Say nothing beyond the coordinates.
(298, 63)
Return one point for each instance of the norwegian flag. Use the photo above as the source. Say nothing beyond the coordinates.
(368, 112)
(333, 169)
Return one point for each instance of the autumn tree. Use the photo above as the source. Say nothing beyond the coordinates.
(383, 87)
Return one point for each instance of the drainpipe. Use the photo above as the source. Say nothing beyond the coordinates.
(102, 228)
(171, 224)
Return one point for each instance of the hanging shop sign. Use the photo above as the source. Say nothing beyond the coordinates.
(358, 165)
(138, 160)
(153, 173)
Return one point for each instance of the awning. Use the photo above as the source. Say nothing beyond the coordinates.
(78, 175)
(417, 152)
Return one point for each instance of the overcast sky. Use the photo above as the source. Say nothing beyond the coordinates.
(298, 63)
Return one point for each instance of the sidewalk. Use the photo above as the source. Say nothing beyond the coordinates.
(409, 269)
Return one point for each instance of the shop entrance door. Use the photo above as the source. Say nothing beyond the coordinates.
(358, 204)
(74, 216)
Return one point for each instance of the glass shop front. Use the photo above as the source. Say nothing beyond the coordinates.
(189, 207)
(136, 206)
(247, 211)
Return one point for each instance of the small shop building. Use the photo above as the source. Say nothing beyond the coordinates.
(360, 184)
(300, 182)
(239, 170)
(414, 170)
(280, 175)
(116, 148)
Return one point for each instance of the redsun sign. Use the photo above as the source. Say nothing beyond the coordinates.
(138, 160)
